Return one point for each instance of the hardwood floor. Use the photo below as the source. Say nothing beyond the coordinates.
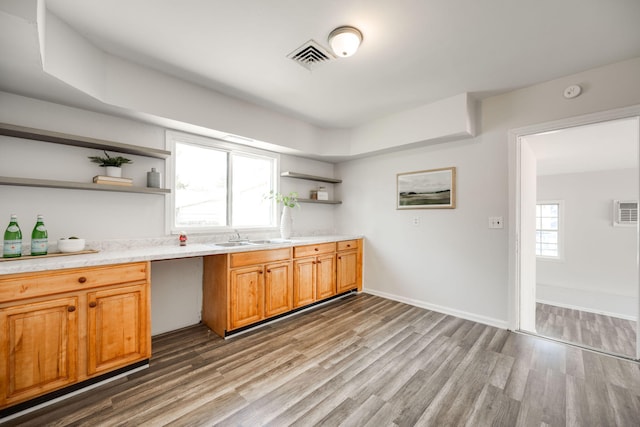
(364, 361)
(606, 333)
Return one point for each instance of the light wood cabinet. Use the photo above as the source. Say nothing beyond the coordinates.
(314, 278)
(118, 328)
(61, 327)
(240, 289)
(349, 266)
(39, 348)
(246, 296)
(244, 288)
(278, 289)
(304, 279)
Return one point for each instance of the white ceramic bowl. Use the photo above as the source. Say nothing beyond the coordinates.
(70, 245)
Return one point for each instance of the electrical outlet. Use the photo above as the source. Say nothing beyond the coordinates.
(416, 221)
(496, 222)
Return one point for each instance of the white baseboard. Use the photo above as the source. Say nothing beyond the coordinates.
(502, 324)
(587, 309)
(589, 300)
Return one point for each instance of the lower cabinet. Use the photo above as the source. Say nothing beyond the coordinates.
(39, 348)
(259, 292)
(244, 288)
(65, 326)
(314, 278)
(118, 328)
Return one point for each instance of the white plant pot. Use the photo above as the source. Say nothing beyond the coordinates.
(113, 171)
(286, 223)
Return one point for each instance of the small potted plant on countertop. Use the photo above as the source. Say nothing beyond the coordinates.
(288, 201)
(111, 164)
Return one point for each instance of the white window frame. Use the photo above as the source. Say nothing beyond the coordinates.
(171, 137)
(560, 256)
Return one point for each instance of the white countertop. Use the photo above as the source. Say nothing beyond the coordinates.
(150, 250)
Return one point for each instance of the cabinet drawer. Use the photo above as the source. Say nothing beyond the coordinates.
(29, 285)
(311, 250)
(241, 259)
(347, 245)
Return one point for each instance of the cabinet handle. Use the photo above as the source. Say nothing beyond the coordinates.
(339, 257)
(93, 304)
(268, 271)
(348, 246)
(260, 271)
(316, 249)
(82, 279)
(71, 309)
(313, 262)
(319, 262)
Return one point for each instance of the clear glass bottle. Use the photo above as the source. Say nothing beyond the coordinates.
(12, 239)
(39, 238)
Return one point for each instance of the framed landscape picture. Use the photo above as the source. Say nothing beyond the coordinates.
(430, 189)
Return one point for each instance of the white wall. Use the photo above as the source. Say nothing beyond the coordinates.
(452, 261)
(99, 215)
(599, 270)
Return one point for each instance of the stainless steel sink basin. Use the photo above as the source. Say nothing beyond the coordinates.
(232, 244)
(268, 241)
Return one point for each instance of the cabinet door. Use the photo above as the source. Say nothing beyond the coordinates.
(38, 346)
(246, 296)
(278, 289)
(304, 279)
(325, 276)
(118, 327)
(347, 274)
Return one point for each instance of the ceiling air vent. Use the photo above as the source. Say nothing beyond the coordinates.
(625, 212)
(310, 55)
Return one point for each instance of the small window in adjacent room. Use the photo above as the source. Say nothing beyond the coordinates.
(548, 229)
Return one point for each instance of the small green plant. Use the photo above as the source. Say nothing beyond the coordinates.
(110, 161)
(290, 200)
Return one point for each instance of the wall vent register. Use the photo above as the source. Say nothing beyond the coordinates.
(625, 212)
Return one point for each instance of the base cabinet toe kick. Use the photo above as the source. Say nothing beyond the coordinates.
(248, 288)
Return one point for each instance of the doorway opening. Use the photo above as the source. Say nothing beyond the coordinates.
(577, 275)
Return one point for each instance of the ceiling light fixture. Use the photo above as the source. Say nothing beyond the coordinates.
(344, 41)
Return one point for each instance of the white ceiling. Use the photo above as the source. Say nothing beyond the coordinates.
(414, 52)
(601, 146)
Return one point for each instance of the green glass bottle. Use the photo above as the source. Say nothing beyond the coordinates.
(12, 239)
(39, 238)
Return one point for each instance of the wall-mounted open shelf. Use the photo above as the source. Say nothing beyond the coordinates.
(297, 175)
(326, 202)
(310, 177)
(49, 183)
(80, 141)
(84, 142)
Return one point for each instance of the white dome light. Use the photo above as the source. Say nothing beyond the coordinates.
(344, 41)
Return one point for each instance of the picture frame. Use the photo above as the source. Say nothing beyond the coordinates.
(427, 189)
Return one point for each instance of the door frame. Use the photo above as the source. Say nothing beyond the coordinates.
(515, 197)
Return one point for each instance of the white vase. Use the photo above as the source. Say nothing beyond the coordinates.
(113, 171)
(286, 223)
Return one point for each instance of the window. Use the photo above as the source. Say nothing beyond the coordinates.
(218, 185)
(548, 229)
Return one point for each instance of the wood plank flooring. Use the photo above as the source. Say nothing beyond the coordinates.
(606, 333)
(363, 361)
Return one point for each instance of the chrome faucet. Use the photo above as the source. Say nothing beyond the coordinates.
(237, 237)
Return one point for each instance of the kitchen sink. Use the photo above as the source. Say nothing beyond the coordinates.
(232, 244)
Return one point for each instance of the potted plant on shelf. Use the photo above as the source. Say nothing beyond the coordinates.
(288, 201)
(111, 164)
